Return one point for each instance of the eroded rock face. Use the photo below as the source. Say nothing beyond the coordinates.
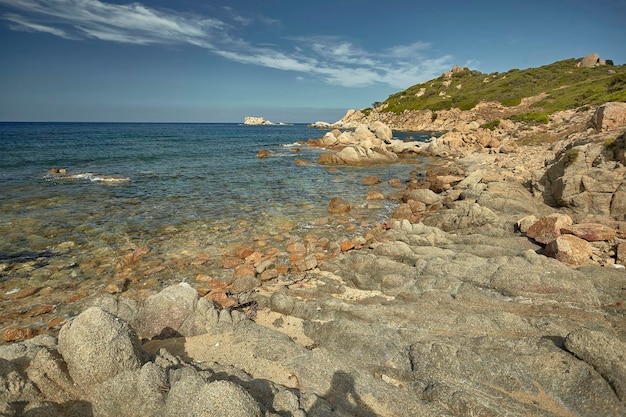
(589, 179)
(610, 116)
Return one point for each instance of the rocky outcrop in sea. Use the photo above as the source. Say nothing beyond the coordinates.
(496, 289)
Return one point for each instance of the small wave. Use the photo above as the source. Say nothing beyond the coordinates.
(292, 145)
(90, 176)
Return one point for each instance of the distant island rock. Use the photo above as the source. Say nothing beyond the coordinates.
(258, 121)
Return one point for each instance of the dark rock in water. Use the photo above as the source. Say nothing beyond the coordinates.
(371, 180)
(338, 206)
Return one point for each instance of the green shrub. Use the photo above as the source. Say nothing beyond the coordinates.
(570, 156)
(492, 125)
(565, 85)
(610, 143)
(617, 82)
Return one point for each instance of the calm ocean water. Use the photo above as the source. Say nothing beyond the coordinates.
(190, 187)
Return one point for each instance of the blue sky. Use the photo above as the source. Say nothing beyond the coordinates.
(287, 61)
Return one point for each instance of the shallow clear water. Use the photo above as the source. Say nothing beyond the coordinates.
(191, 187)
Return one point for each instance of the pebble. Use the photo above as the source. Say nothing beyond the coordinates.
(15, 334)
(16, 295)
(38, 311)
(371, 180)
(346, 245)
(56, 323)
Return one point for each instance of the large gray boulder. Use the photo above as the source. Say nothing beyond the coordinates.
(176, 311)
(132, 393)
(382, 131)
(97, 346)
(590, 61)
(191, 396)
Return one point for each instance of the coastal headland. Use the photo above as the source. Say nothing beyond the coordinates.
(496, 288)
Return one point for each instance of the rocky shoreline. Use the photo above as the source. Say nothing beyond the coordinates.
(454, 309)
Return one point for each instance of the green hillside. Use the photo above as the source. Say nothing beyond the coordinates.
(566, 86)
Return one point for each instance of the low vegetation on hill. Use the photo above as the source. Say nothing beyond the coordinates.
(563, 84)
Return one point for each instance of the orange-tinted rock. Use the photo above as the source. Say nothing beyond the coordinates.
(338, 205)
(346, 245)
(394, 182)
(201, 259)
(416, 206)
(310, 238)
(26, 292)
(402, 212)
(374, 195)
(305, 264)
(116, 286)
(140, 252)
(75, 297)
(154, 270)
(203, 291)
(56, 322)
(262, 153)
(242, 251)
(301, 162)
(231, 262)
(243, 271)
(371, 180)
(125, 262)
(295, 257)
(130, 258)
(548, 228)
(271, 252)
(219, 297)
(268, 274)
(570, 250)
(204, 278)
(282, 269)
(296, 247)
(591, 232)
(15, 334)
(38, 311)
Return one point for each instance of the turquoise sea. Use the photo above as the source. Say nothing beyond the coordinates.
(180, 189)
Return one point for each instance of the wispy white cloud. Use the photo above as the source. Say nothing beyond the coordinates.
(20, 24)
(336, 61)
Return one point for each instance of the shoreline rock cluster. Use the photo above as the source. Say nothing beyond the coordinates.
(260, 121)
(454, 310)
